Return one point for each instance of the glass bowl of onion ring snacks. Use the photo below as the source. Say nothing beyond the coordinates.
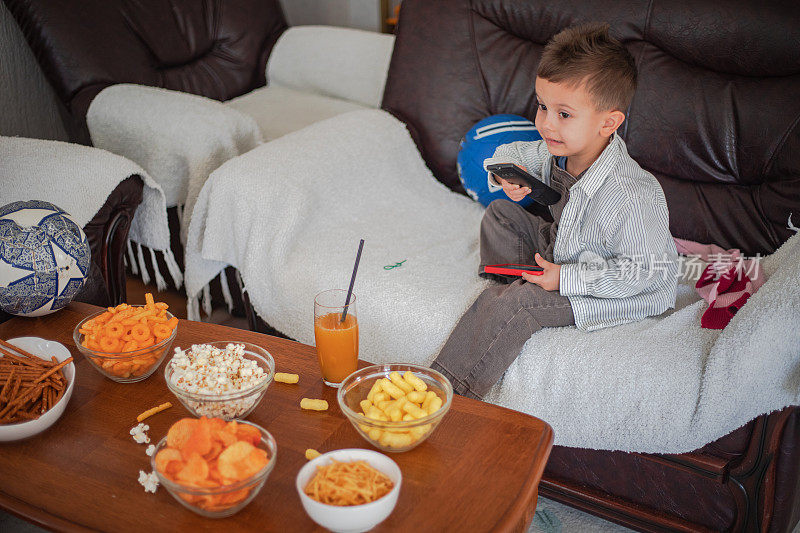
(127, 343)
(395, 407)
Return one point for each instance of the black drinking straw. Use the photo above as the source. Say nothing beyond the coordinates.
(352, 279)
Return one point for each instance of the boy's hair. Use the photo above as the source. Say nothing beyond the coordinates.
(588, 54)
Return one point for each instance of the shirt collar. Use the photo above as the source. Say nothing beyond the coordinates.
(596, 174)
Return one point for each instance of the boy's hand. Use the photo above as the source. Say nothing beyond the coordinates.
(549, 278)
(512, 190)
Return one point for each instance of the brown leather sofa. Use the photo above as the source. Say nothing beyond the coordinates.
(30, 110)
(212, 48)
(716, 119)
(107, 233)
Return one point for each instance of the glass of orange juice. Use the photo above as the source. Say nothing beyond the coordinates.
(337, 340)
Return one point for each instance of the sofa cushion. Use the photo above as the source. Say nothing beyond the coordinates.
(715, 117)
(337, 62)
(279, 110)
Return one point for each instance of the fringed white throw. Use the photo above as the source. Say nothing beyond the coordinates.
(78, 179)
(177, 138)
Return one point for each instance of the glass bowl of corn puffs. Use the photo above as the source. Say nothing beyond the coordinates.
(396, 406)
(214, 467)
(127, 343)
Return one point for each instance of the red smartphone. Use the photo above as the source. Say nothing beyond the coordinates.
(512, 269)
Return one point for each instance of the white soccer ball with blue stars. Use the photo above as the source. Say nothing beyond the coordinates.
(44, 258)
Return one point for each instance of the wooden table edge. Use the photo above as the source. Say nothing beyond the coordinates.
(38, 516)
(517, 517)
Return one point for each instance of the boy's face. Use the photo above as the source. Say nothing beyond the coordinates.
(569, 122)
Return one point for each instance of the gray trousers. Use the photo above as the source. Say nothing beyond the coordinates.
(494, 329)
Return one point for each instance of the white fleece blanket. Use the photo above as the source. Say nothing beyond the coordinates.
(178, 138)
(289, 214)
(78, 179)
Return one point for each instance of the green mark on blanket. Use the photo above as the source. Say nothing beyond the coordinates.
(396, 265)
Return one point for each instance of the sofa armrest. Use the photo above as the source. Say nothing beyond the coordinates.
(338, 62)
(175, 137)
(107, 233)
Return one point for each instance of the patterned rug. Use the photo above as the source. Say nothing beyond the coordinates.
(553, 517)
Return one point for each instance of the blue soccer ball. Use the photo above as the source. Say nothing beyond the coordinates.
(44, 258)
(480, 142)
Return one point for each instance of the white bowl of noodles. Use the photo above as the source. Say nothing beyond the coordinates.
(345, 518)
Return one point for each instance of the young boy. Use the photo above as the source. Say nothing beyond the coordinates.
(608, 257)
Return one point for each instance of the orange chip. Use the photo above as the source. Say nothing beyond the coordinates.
(130, 346)
(213, 473)
(229, 498)
(189, 498)
(216, 448)
(180, 432)
(216, 424)
(194, 472)
(231, 458)
(200, 440)
(255, 461)
(169, 461)
(227, 435)
(238, 461)
(248, 433)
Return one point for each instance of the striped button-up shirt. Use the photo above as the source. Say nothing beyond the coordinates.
(618, 259)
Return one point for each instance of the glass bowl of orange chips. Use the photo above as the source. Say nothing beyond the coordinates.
(127, 343)
(214, 467)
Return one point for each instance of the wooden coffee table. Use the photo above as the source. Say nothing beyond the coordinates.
(479, 471)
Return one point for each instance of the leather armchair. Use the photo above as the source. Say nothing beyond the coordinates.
(218, 50)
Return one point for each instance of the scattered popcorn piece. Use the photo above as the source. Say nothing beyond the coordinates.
(139, 433)
(311, 453)
(148, 481)
(150, 450)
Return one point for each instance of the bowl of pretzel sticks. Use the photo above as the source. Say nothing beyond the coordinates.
(36, 381)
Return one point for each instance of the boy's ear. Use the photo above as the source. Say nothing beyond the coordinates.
(612, 122)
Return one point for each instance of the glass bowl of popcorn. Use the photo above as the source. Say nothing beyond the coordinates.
(227, 477)
(223, 379)
(395, 407)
